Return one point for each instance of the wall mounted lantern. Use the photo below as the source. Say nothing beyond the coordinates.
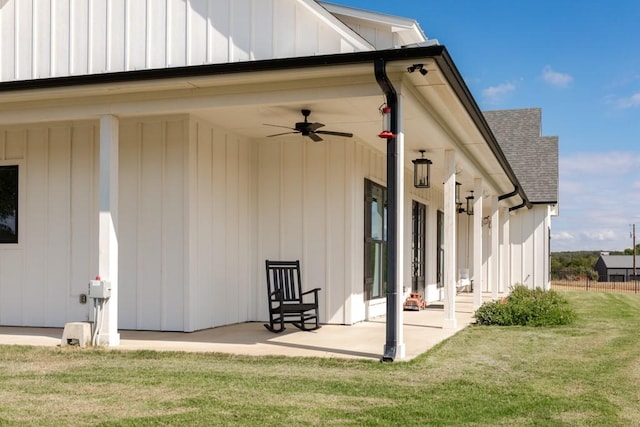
(469, 199)
(458, 201)
(470, 203)
(422, 172)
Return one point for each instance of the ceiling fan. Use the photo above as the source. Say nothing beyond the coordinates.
(309, 129)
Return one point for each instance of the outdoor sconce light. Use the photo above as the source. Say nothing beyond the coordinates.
(470, 203)
(469, 199)
(458, 202)
(421, 171)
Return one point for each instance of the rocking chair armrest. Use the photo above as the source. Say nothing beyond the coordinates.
(276, 293)
(315, 290)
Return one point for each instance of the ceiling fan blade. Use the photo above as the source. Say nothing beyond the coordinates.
(280, 134)
(313, 126)
(278, 126)
(329, 132)
(315, 137)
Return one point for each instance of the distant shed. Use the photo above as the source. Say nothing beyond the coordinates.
(616, 268)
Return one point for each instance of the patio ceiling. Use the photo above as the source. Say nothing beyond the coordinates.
(345, 98)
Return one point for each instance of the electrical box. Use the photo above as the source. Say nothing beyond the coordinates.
(99, 289)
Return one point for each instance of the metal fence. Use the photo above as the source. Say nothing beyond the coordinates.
(585, 284)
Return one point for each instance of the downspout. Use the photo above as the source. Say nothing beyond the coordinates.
(515, 191)
(391, 343)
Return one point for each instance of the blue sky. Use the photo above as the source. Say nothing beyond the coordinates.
(578, 60)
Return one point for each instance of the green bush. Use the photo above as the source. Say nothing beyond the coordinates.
(527, 307)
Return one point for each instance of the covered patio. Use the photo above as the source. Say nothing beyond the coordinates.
(171, 183)
(422, 331)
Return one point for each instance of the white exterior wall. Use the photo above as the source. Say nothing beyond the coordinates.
(486, 253)
(221, 276)
(53, 38)
(465, 243)
(529, 236)
(42, 277)
(186, 225)
(378, 35)
(152, 223)
(311, 207)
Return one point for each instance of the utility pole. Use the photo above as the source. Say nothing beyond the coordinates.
(635, 277)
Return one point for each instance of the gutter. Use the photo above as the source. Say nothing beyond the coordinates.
(353, 58)
(508, 195)
(391, 344)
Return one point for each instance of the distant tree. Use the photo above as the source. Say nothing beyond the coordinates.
(574, 265)
(629, 251)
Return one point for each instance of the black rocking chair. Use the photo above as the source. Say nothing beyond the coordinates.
(286, 299)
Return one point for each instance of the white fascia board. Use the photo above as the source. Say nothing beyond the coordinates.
(358, 41)
(397, 24)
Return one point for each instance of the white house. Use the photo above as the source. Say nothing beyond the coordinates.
(135, 146)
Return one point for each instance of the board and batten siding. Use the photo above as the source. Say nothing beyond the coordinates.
(42, 277)
(54, 38)
(529, 236)
(152, 223)
(220, 189)
(186, 225)
(311, 207)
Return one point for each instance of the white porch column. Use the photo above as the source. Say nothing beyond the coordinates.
(108, 226)
(401, 347)
(449, 240)
(505, 251)
(494, 259)
(477, 244)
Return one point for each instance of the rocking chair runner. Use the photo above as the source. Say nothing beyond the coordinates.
(286, 299)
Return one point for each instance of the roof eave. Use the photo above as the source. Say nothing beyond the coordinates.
(437, 52)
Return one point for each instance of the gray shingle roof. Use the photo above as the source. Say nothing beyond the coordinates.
(534, 158)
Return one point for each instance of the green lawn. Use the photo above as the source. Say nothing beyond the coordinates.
(581, 375)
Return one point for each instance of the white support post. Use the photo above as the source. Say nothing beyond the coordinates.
(505, 252)
(477, 244)
(494, 259)
(108, 226)
(450, 321)
(401, 347)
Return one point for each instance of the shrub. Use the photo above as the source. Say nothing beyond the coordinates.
(527, 307)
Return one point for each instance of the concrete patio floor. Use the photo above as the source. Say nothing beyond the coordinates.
(365, 340)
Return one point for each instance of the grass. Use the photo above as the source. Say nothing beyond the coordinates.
(579, 375)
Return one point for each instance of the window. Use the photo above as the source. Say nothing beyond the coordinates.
(9, 204)
(440, 244)
(375, 240)
(419, 217)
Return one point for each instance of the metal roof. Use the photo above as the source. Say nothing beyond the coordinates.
(619, 261)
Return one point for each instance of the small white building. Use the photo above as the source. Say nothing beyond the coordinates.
(135, 146)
